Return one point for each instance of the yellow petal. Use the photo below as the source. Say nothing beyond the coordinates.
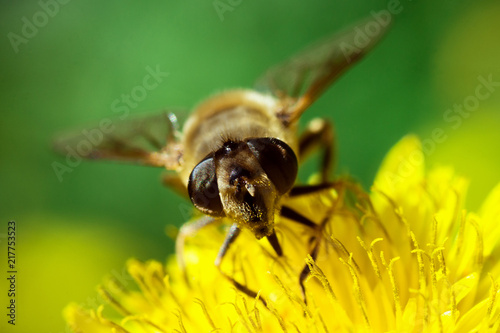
(404, 164)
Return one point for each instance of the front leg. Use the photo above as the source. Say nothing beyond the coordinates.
(231, 236)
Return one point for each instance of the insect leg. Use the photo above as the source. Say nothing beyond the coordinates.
(319, 133)
(187, 230)
(273, 240)
(316, 239)
(231, 236)
(297, 217)
(306, 271)
(311, 189)
(314, 254)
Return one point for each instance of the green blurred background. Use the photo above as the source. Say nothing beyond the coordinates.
(73, 233)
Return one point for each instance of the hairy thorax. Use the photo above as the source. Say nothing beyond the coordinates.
(232, 115)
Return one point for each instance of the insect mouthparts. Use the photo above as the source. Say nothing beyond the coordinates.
(238, 174)
(261, 231)
(251, 189)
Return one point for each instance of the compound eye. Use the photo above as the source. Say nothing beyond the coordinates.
(278, 161)
(203, 189)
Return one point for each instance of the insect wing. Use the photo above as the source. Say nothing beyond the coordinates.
(148, 140)
(299, 81)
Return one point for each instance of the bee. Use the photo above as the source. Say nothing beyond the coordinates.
(238, 153)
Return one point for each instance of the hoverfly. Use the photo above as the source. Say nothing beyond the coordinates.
(238, 152)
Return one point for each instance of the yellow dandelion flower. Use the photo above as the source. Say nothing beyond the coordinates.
(406, 257)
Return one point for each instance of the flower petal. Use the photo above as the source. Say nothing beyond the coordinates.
(402, 166)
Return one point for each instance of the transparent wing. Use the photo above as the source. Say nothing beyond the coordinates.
(299, 81)
(149, 140)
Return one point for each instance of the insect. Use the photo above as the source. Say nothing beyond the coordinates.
(238, 153)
